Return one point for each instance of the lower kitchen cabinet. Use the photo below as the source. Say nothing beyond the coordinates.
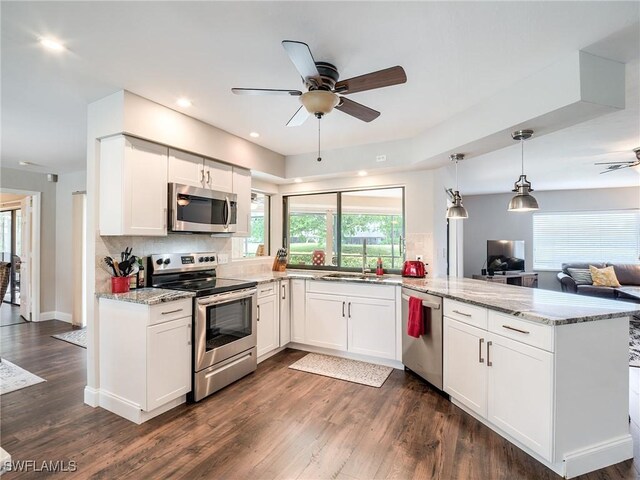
(285, 312)
(371, 327)
(501, 380)
(268, 322)
(297, 315)
(145, 357)
(326, 321)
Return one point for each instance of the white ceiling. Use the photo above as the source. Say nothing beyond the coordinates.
(454, 53)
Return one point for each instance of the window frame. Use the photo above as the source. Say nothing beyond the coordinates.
(267, 229)
(635, 211)
(338, 193)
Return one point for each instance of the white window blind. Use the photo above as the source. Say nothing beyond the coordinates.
(607, 236)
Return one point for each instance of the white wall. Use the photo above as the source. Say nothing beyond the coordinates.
(64, 256)
(490, 220)
(37, 182)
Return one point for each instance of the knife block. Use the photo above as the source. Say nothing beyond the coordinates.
(279, 265)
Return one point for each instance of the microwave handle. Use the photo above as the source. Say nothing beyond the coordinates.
(228, 219)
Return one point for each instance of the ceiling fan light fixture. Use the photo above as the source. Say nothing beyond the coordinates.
(319, 101)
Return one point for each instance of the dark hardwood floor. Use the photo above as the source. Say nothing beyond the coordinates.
(275, 423)
(10, 315)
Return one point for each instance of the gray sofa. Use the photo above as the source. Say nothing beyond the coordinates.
(628, 275)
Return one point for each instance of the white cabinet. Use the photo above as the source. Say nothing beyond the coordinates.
(285, 312)
(196, 171)
(145, 357)
(520, 382)
(298, 309)
(464, 365)
(353, 318)
(503, 380)
(371, 327)
(186, 169)
(242, 188)
(326, 321)
(268, 324)
(218, 176)
(133, 187)
(168, 361)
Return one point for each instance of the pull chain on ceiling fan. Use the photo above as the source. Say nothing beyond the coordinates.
(324, 91)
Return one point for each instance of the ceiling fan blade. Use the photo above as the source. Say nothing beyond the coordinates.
(300, 55)
(298, 118)
(357, 110)
(369, 81)
(265, 91)
(614, 163)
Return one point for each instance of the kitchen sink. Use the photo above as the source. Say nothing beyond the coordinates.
(372, 277)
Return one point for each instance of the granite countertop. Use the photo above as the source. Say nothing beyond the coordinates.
(537, 305)
(148, 296)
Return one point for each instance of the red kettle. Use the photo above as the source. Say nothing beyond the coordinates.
(413, 268)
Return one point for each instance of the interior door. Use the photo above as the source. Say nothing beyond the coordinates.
(26, 259)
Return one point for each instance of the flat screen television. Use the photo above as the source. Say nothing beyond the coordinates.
(505, 256)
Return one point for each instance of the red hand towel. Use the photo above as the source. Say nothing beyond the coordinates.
(415, 325)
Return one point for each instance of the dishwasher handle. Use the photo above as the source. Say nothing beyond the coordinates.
(434, 306)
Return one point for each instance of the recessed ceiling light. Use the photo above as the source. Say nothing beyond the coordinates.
(27, 164)
(362, 173)
(298, 180)
(254, 134)
(51, 44)
(184, 102)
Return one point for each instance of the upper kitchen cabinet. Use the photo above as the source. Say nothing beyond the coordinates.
(242, 188)
(133, 187)
(189, 169)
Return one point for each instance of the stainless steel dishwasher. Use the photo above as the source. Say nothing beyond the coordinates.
(423, 356)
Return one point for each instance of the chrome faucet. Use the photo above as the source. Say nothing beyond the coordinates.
(364, 257)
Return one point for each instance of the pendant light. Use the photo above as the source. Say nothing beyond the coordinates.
(523, 201)
(456, 211)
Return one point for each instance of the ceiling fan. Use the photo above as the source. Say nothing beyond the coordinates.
(324, 91)
(613, 166)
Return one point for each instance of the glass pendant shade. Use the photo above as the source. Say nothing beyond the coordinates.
(319, 101)
(523, 201)
(457, 210)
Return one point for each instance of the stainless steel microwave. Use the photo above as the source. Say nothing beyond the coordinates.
(193, 209)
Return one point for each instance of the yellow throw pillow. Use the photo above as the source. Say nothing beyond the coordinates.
(604, 277)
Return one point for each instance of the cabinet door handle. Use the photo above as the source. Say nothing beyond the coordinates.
(480, 342)
(258, 316)
(462, 313)
(188, 334)
(489, 363)
(349, 310)
(515, 329)
(343, 309)
(202, 176)
(284, 292)
(265, 290)
(172, 311)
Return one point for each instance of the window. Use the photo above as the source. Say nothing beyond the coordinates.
(257, 243)
(607, 236)
(343, 230)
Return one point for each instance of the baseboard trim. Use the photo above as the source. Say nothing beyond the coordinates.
(598, 456)
(270, 354)
(91, 396)
(63, 317)
(352, 356)
(131, 411)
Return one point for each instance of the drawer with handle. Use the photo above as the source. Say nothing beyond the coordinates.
(266, 289)
(465, 313)
(530, 333)
(163, 312)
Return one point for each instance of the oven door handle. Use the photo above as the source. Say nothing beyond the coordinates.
(226, 297)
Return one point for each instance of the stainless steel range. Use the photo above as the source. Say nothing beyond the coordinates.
(224, 318)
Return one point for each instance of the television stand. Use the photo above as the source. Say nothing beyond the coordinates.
(520, 279)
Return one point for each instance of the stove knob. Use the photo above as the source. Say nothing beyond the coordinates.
(213, 259)
(167, 261)
(201, 259)
(159, 261)
(206, 259)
